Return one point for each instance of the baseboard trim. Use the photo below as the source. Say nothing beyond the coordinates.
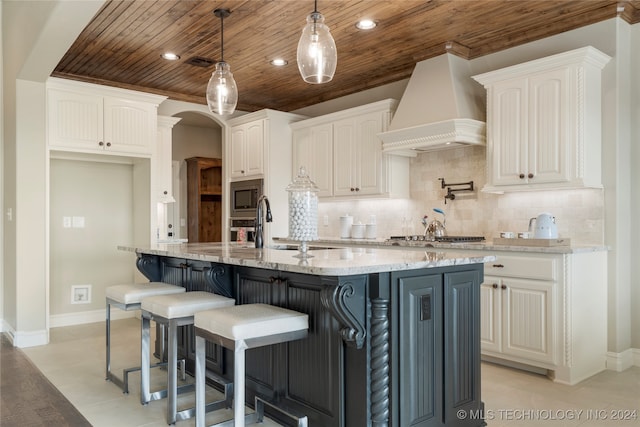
(82, 317)
(29, 339)
(624, 360)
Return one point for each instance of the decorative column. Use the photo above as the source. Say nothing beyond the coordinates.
(380, 362)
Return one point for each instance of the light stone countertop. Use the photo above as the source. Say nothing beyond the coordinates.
(325, 262)
(483, 246)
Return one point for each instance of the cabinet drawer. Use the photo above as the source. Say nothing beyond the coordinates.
(531, 267)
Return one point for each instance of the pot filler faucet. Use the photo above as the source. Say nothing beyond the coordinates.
(258, 232)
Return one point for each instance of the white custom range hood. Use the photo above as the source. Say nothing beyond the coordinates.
(442, 107)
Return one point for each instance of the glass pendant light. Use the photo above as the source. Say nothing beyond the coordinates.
(317, 55)
(222, 93)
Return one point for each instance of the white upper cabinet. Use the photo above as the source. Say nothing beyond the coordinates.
(543, 123)
(164, 174)
(313, 150)
(343, 153)
(247, 147)
(91, 118)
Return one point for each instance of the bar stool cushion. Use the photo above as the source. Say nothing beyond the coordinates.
(132, 293)
(248, 321)
(185, 304)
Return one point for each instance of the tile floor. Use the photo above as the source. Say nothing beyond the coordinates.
(74, 363)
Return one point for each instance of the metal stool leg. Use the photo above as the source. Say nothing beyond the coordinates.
(200, 381)
(172, 360)
(108, 343)
(238, 390)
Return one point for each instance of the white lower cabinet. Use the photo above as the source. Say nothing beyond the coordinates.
(547, 311)
(517, 318)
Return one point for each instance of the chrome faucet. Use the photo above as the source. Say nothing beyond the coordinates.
(259, 240)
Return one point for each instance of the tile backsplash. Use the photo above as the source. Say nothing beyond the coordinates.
(579, 213)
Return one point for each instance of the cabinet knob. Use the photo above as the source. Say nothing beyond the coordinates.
(242, 172)
(521, 176)
(108, 144)
(353, 189)
(530, 175)
(503, 286)
(100, 143)
(494, 286)
(357, 189)
(165, 192)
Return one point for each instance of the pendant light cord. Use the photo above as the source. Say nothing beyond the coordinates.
(221, 38)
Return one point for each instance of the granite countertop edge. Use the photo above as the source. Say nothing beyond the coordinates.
(486, 245)
(325, 262)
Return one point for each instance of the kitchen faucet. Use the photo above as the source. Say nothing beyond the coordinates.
(258, 237)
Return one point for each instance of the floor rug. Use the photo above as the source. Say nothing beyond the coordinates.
(27, 397)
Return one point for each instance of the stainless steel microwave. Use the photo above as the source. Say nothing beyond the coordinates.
(244, 197)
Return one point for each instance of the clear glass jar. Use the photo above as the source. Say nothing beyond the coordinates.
(303, 210)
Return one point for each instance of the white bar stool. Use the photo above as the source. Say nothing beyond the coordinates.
(173, 311)
(129, 297)
(239, 328)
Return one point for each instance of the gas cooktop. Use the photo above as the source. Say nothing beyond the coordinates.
(443, 239)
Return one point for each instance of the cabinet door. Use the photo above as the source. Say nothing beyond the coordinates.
(74, 120)
(344, 158)
(247, 149)
(129, 126)
(507, 146)
(254, 148)
(421, 373)
(236, 152)
(528, 319)
(462, 348)
(164, 176)
(549, 127)
(369, 157)
(313, 149)
(490, 315)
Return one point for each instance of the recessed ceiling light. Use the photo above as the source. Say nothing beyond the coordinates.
(170, 56)
(365, 24)
(279, 62)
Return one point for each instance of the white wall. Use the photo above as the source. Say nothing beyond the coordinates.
(102, 195)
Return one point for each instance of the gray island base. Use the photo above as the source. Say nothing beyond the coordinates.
(394, 336)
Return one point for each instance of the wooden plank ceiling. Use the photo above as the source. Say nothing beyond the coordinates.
(121, 46)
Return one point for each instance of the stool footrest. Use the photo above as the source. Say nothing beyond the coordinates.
(211, 406)
(259, 405)
(123, 382)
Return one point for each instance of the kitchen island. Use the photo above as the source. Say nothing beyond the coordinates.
(394, 336)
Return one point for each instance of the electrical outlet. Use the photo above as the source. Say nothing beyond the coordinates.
(81, 294)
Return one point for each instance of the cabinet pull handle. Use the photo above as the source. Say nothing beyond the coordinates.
(530, 175)
(273, 279)
(494, 286)
(100, 143)
(503, 286)
(498, 265)
(521, 176)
